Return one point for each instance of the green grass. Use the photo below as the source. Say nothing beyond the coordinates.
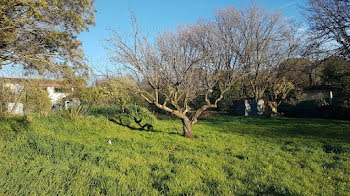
(230, 156)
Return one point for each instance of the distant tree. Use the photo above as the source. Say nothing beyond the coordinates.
(119, 91)
(34, 99)
(276, 93)
(41, 35)
(93, 96)
(301, 72)
(266, 40)
(179, 67)
(114, 91)
(329, 21)
(336, 72)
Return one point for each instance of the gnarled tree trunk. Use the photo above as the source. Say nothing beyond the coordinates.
(271, 108)
(187, 127)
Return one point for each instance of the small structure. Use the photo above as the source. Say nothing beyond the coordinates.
(314, 93)
(56, 89)
(249, 107)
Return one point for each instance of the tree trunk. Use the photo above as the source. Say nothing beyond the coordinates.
(273, 106)
(187, 127)
(270, 109)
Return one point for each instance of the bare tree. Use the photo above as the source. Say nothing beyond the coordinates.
(329, 21)
(179, 67)
(266, 40)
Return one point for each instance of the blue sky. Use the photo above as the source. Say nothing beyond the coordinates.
(160, 15)
(155, 16)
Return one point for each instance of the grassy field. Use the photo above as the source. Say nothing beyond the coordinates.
(230, 156)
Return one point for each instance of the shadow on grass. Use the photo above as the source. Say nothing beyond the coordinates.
(143, 129)
(147, 127)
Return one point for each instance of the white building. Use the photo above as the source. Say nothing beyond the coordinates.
(57, 90)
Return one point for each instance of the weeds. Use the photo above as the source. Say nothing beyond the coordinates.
(231, 156)
(74, 112)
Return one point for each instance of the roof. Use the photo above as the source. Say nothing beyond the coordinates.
(37, 82)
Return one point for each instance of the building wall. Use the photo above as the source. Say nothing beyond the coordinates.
(54, 96)
(249, 107)
(316, 95)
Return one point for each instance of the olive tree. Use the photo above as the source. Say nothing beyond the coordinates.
(179, 67)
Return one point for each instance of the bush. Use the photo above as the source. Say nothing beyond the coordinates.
(335, 111)
(107, 111)
(13, 124)
(315, 109)
(74, 112)
(135, 117)
(37, 101)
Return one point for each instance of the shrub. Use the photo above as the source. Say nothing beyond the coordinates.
(335, 111)
(107, 111)
(315, 109)
(74, 112)
(135, 117)
(36, 100)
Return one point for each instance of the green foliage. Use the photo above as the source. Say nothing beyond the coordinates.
(337, 74)
(74, 112)
(136, 117)
(41, 35)
(107, 111)
(110, 92)
(36, 100)
(300, 71)
(95, 96)
(230, 156)
(230, 97)
(13, 124)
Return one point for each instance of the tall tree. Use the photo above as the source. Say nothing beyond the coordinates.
(265, 41)
(41, 35)
(179, 67)
(330, 21)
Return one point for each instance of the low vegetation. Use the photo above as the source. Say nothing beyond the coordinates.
(229, 156)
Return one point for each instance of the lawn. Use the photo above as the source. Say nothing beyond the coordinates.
(229, 156)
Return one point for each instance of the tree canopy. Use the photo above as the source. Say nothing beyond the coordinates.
(41, 35)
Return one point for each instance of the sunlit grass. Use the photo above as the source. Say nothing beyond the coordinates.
(230, 156)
